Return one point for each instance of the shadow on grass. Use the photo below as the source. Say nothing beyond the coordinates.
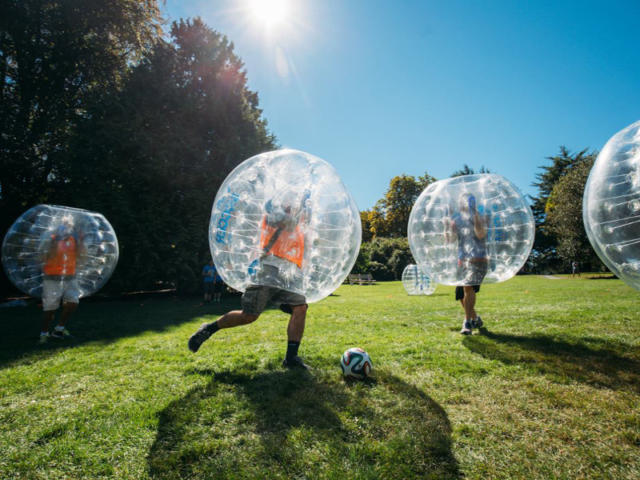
(98, 321)
(599, 363)
(281, 424)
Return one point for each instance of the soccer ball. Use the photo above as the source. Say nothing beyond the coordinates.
(356, 363)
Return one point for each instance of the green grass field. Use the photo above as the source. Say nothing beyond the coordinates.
(551, 389)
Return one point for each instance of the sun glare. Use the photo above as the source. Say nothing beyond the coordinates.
(269, 13)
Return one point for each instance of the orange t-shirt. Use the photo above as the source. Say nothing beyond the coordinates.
(289, 244)
(64, 260)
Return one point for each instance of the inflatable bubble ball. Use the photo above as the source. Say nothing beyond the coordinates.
(470, 230)
(611, 205)
(416, 282)
(55, 247)
(284, 219)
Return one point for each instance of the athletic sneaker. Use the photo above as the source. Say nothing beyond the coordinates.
(199, 337)
(295, 362)
(64, 333)
(43, 339)
(477, 322)
(466, 327)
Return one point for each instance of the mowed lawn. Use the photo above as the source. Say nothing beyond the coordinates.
(551, 389)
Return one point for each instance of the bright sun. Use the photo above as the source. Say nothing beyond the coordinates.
(269, 13)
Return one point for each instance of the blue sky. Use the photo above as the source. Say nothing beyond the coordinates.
(381, 88)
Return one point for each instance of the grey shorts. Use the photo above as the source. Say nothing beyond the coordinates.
(472, 271)
(256, 298)
(56, 288)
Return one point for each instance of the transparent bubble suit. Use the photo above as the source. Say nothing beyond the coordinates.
(25, 247)
(444, 238)
(298, 200)
(416, 282)
(611, 205)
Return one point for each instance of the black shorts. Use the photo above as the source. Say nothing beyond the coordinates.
(460, 291)
(256, 298)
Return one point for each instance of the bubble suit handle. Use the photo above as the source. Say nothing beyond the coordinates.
(284, 219)
(611, 205)
(470, 230)
(416, 282)
(51, 241)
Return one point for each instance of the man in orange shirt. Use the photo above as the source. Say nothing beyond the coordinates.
(62, 253)
(276, 273)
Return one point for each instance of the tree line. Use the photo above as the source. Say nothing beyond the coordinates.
(101, 109)
(557, 209)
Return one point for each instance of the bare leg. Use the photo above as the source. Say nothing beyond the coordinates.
(296, 323)
(469, 303)
(295, 329)
(47, 317)
(235, 318)
(67, 309)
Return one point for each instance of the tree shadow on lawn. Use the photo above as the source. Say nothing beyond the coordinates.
(102, 321)
(291, 424)
(593, 361)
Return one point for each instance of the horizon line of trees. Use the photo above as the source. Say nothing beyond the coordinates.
(101, 109)
(557, 209)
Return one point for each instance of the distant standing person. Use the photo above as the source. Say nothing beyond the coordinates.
(218, 286)
(209, 274)
(469, 229)
(574, 269)
(63, 253)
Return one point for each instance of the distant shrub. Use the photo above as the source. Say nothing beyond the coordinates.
(384, 258)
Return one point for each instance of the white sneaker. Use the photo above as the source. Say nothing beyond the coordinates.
(466, 327)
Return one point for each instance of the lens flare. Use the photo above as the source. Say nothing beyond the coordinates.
(269, 13)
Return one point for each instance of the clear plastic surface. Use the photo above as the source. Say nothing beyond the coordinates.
(611, 205)
(470, 230)
(416, 282)
(62, 246)
(284, 219)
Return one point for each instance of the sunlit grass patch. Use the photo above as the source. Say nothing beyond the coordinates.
(548, 390)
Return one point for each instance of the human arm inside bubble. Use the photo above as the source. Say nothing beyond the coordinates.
(288, 215)
(48, 248)
(82, 254)
(450, 231)
(480, 226)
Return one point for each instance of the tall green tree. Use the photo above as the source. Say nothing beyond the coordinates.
(55, 57)
(545, 254)
(152, 156)
(390, 215)
(365, 221)
(564, 218)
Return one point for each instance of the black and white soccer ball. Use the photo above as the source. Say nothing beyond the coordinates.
(356, 363)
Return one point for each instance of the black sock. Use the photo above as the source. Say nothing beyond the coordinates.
(292, 349)
(213, 327)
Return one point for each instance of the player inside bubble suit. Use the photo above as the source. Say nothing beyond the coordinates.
(278, 264)
(468, 228)
(63, 252)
